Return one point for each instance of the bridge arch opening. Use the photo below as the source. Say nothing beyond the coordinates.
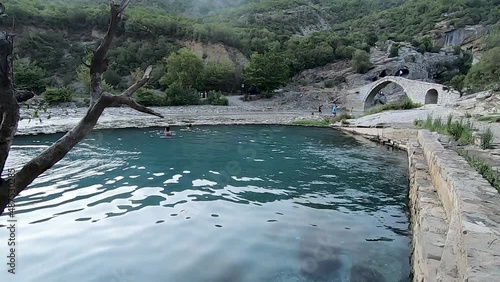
(431, 97)
(402, 72)
(383, 93)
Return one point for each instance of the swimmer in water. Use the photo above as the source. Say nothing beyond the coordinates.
(167, 131)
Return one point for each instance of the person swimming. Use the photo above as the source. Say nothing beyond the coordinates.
(190, 127)
(167, 131)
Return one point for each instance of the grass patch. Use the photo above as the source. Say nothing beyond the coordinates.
(342, 118)
(460, 131)
(406, 104)
(311, 123)
(489, 118)
(491, 175)
(487, 139)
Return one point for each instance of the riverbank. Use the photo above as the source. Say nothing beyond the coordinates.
(454, 210)
(63, 120)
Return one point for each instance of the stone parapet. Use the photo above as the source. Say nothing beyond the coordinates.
(472, 247)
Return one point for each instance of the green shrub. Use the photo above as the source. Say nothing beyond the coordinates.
(149, 98)
(329, 83)
(437, 124)
(216, 98)
(491, 175)
(487, 139)
(303, 82)
(406, 104)
(361, 61)
(180, 96)
(56, 95)
(494, 118)
(112, 77)
(341, 118)
(394, 52)
(311, 123)
(458, 130)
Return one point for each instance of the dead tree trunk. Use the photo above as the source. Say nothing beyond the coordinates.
(9, 112)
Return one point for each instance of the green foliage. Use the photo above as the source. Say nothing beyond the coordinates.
(329, 83)
(184, 68)
(54, 95)
(485, 74)
(487, 139)
(29, 76)
(493, 118)
(425, 45)
(149, 98)
(457, 83)
(219, 76)
(216, 98)
(490, 174)
(361, 61)
(177, 95)
(318, 123)
(342, 117)
(267, 71)
(152, 29)
(112, 77)
(394, 52)
(83, 75)
(458, 129)
(406, 104)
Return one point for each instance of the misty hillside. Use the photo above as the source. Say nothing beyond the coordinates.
(56, 35)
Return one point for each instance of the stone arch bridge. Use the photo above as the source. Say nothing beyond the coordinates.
(418, 91)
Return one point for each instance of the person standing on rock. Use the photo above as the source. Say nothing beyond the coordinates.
(320, 108)
(334, 110)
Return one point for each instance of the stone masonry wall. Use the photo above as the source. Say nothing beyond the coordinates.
(455, 216)
(472, 247)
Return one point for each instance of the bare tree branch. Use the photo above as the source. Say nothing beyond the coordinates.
(84, 63)
(9, 111)
(99, 63)
(130, 91)
(124, 100)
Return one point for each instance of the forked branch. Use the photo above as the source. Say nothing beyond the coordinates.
(99, 101)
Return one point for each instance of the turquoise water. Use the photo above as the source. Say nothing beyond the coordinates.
(221, 203)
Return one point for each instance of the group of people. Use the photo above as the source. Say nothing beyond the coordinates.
(334, 109)
(168, 131)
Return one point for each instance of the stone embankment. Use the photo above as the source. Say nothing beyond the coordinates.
(455, 211)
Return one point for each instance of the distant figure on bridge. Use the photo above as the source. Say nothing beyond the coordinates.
(334, 110)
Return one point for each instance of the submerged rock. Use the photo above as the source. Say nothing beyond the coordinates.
(321, 259)
(362, 273)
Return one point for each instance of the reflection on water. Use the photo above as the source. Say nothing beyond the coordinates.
(238, 203)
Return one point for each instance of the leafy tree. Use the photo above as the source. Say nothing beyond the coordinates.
(457, 83)
(267, 71)
(361, 61)
(112, 77)
(218, 75)
(29, 76)
(184, 68)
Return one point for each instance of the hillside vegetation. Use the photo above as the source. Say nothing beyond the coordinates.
(55, 36)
